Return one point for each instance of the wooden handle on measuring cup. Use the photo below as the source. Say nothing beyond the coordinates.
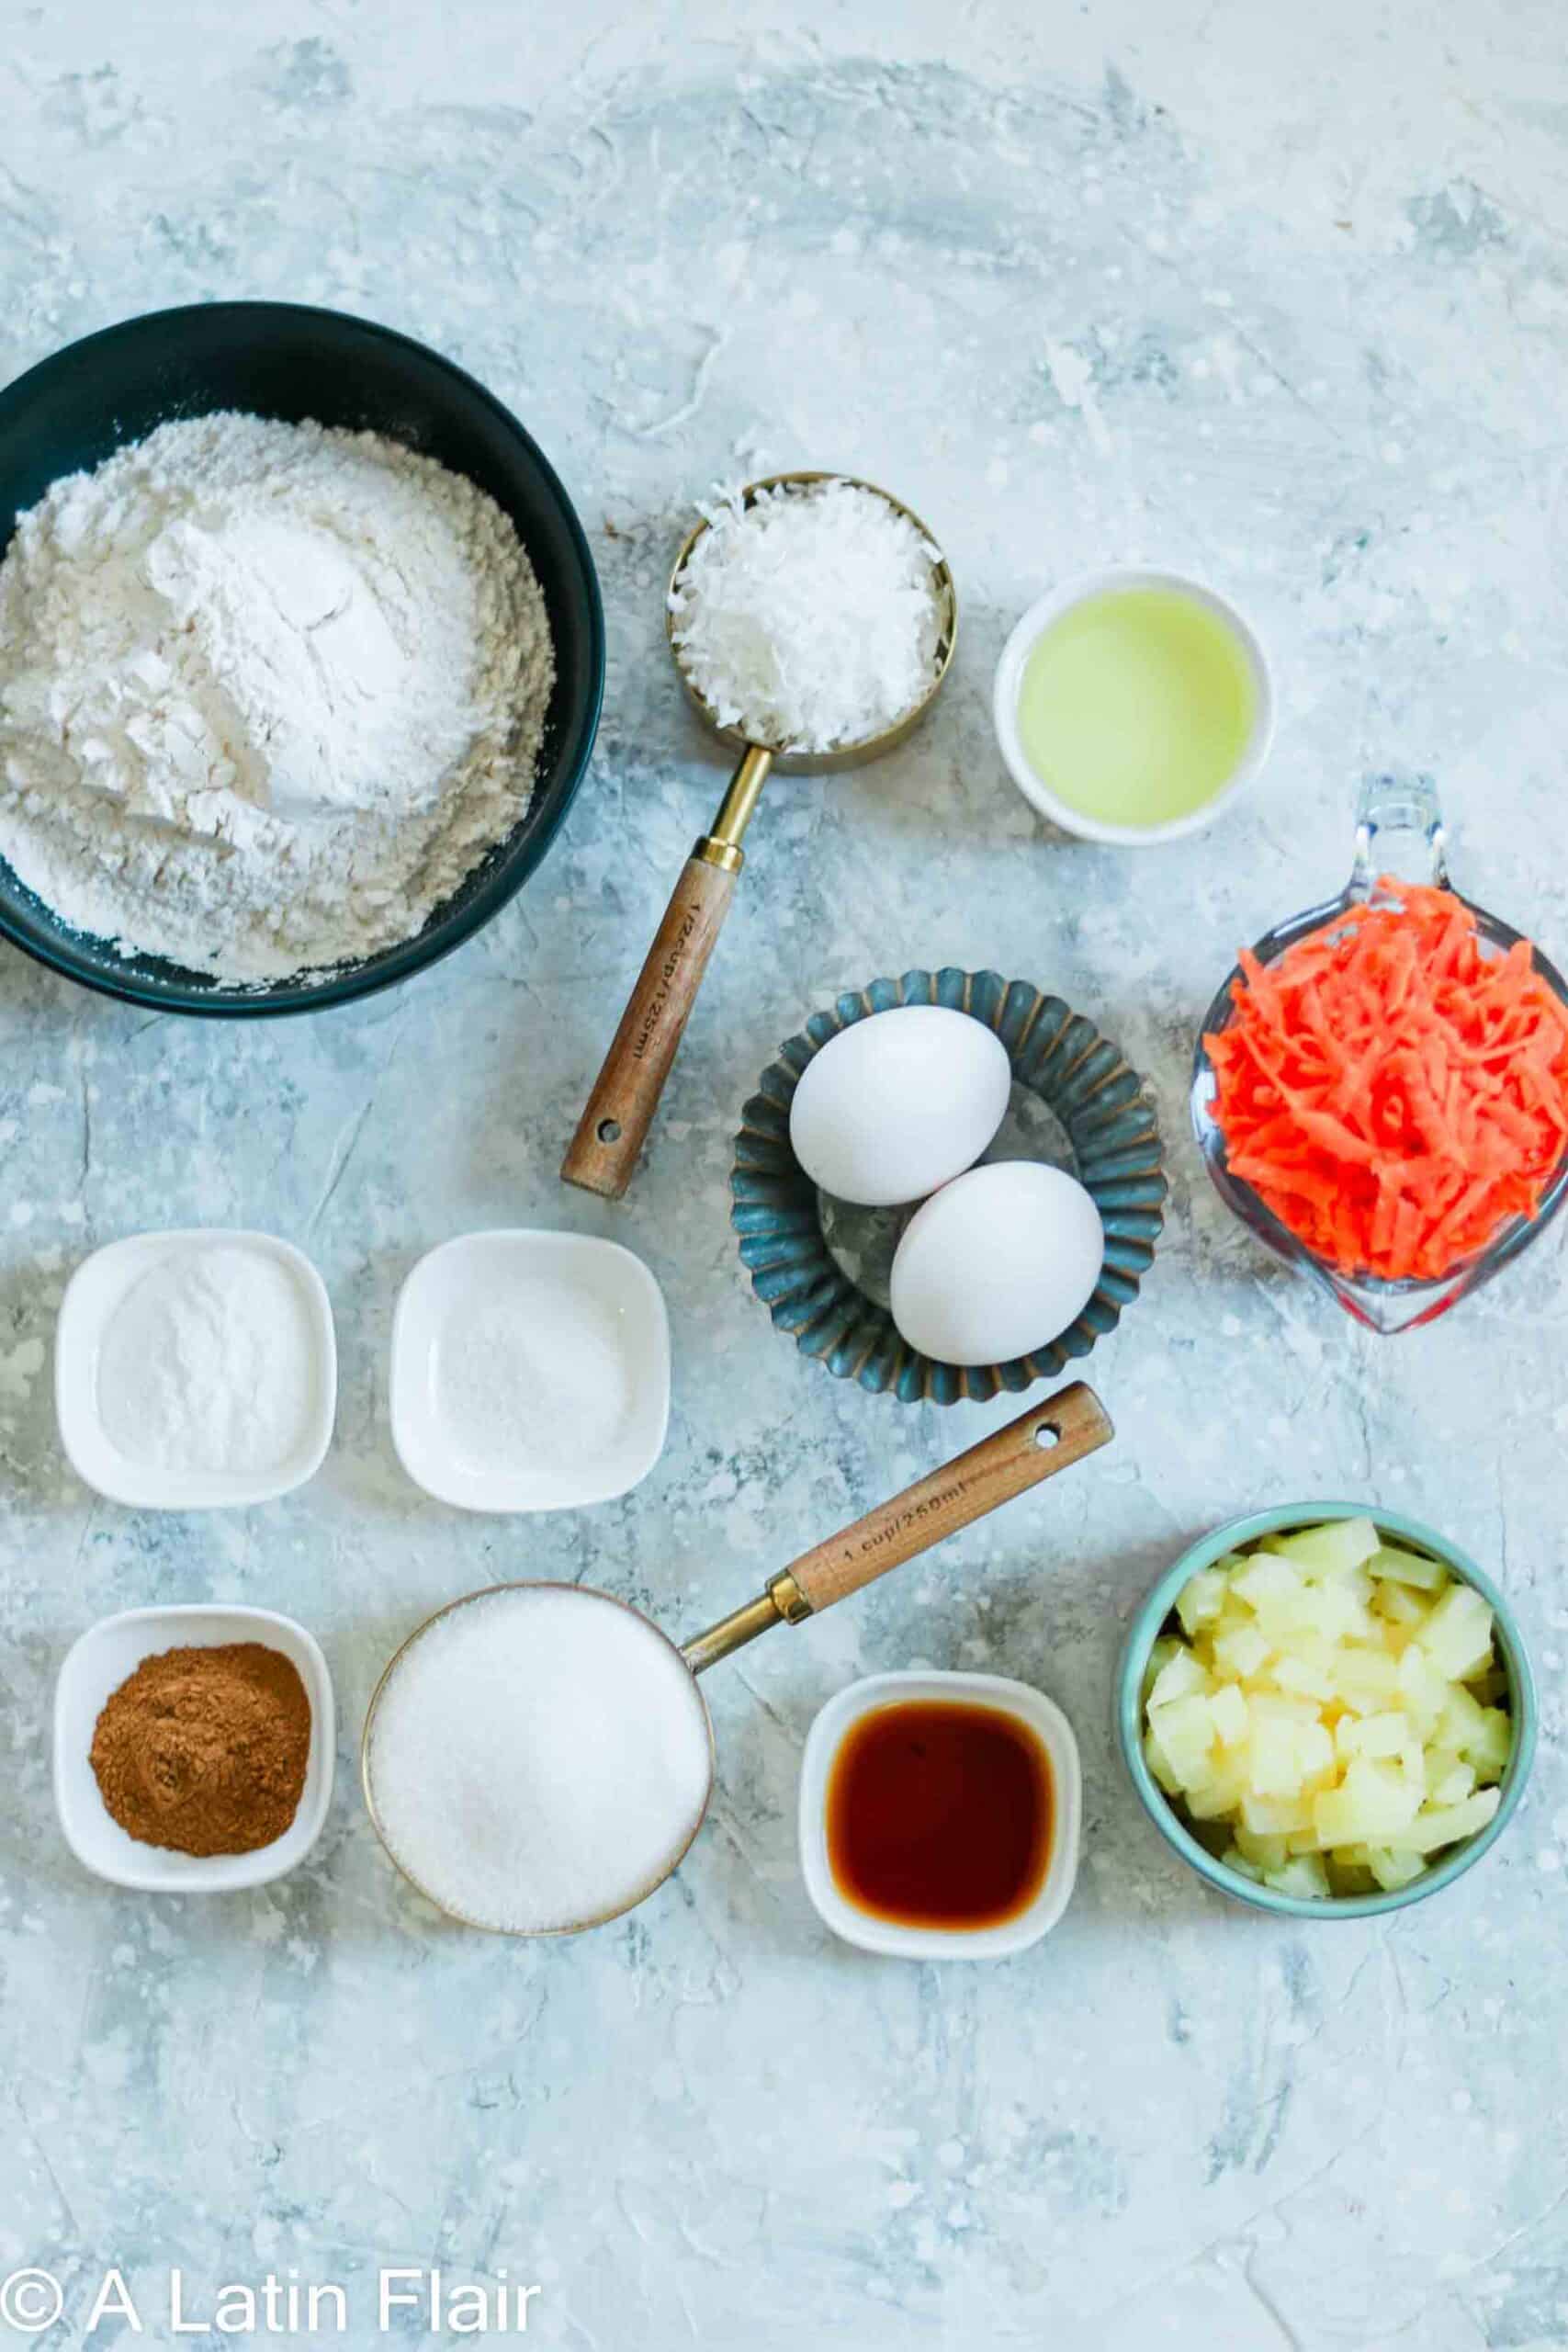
(1049, 1438)
(613, 1129)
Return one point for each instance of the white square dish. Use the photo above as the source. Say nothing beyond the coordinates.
(1031, 1708)
(94, 1667)
(442, 1300)
(92, 1296)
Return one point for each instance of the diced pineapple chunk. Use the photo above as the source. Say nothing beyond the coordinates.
(1275, 1816)
(1300, 1677)
(1287, 1756)
(1159, 1763)
(1392, 1563)
(1391, 1869)
(1463, 1722)
(1281, 1707)
(1215, 1797)
(1384, 1735)
(1493, 1745)
(1424, 1692)
(1302, 1874)
(1168, 1645)
(1368, 1680)
(1178, 1678)
(1186, 1730)
(1268, 1853)
(1234, 1859)
(1440, 1826)
(1399, 1606)
(1458, 1635)
(1266, 1582)
(1231, 1719)
(1241, 1651)
(1455, 1785)
(1372, 1801)
(1200, 1599)
(1340, 1612)
(1334, 1548)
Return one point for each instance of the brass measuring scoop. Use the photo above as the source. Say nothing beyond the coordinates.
(1049, 1438)
(612, 1131)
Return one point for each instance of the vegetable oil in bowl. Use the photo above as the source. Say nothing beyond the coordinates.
(1131, 709)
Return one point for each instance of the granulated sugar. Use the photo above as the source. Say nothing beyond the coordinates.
(809, 617)
(538, 1759)
(268, 692)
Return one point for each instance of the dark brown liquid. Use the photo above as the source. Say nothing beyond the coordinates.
(939, 1814)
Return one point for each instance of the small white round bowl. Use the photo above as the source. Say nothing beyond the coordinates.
(106, 1655)
(1009, 678)
(92, 1295)
(457, 1278)
(1030, 1707)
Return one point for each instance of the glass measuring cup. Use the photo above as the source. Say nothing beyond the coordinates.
(1035, 1446)
(1399, 833)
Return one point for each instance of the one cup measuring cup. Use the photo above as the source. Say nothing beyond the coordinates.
(1131, 706)
(1399, 825)
(614, 1128)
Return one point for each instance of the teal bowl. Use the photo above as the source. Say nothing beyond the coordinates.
(282, 359)
(1102, 1109)
(1150, 1623)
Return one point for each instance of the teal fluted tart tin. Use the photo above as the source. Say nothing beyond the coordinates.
(1107, 1133)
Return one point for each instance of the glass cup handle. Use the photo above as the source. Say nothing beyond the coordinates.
(1399, 831)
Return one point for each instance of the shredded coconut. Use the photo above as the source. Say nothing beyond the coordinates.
(809, 618)
(268, 692)
(538, 1759)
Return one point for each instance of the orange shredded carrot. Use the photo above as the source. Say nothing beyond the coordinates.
(1391, 1089)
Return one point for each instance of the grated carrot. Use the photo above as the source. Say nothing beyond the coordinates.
(1393, 1093)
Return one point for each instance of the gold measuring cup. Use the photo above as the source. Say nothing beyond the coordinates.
(612, 1131)
(1049, 1438)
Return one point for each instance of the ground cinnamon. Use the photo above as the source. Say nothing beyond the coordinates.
(204, 1750)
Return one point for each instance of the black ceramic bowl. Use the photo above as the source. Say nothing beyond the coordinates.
(280, 359)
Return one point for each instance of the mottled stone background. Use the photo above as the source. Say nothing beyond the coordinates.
(1280, 293)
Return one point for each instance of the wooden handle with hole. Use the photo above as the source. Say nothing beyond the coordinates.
(1049, 1438)
(614, 1128)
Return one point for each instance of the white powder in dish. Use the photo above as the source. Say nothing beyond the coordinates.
(538, 1759)
(538, 1374)
(809, 618)
(268, 692)
(209, 1362)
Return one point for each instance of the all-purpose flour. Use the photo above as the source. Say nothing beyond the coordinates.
(267, 693)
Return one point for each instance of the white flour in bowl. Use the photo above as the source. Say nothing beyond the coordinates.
(268, 692)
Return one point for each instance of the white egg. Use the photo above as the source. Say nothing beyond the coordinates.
(899, 1104)
(998, 1264)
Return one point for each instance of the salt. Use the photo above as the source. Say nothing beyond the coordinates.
(538, 1759)
(808, 619)
(539, 1372)
(208, 1363)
